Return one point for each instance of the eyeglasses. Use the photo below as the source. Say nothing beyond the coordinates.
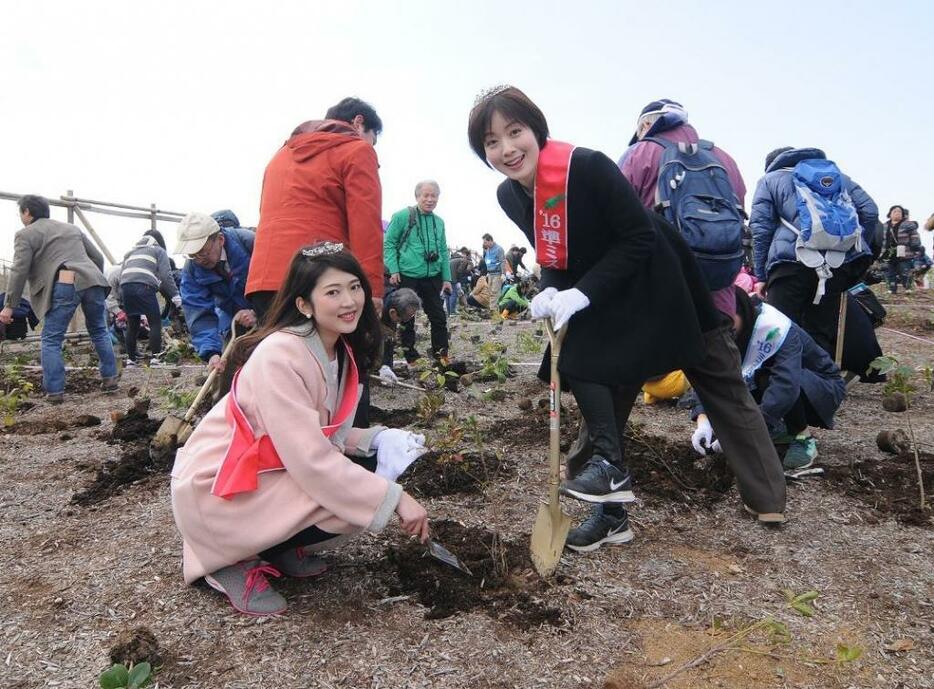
(203, 251)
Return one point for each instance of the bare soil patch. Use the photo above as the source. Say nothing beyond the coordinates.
(51, 424)
(888, 485)
(503, 584)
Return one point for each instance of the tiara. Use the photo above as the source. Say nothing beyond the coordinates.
(323, 249)
(490, 92)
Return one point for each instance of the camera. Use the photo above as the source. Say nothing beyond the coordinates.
(431, 256)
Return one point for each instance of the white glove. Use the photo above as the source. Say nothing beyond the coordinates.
(387, 376)
(703, 437)
(540, 302)
(177, 301)
(716, 447)
(396, 450)
(565, 304)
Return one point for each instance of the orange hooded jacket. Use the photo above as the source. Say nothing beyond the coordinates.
(323, 184)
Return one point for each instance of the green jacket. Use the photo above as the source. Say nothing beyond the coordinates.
(513, 293)
(409, 258)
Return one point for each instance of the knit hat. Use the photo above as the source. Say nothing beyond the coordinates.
(660, 107)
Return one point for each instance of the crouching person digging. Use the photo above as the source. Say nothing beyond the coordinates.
(275, 472)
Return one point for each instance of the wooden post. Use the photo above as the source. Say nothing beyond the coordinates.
(71, 208)
(152, 222)
(841, 329)
(97, 239)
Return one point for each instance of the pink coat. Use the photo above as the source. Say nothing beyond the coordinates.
(282, 390)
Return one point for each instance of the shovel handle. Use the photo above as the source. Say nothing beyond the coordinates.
(554, 420)
(211, 376)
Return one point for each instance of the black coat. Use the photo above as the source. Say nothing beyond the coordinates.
(648, 302)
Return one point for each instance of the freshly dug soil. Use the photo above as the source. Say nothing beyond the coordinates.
(888, 486)
(134, 426)
(133, 430)
(503, 586)
(136, 646)
(436, 474)
(674, 472)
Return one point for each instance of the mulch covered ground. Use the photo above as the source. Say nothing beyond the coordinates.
(90, 566)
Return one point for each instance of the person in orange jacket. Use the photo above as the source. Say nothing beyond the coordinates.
(321, 185)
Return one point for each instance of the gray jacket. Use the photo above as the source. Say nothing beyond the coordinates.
(40, 249)
(148, 263)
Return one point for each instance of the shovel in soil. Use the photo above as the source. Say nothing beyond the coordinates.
(442, 554)
(552, 525)
(175, 431)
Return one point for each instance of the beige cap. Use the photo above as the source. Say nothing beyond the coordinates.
(193, 232)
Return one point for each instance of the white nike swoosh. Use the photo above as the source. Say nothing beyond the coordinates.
(613, 532)
(614, 485)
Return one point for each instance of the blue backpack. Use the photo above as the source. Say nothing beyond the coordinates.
(694, 194)
(828, 226)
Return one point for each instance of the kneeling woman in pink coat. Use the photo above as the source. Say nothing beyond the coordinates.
(276, 471)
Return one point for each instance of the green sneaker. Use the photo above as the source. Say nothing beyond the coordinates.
(801, 454)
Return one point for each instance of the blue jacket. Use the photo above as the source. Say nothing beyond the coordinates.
(210, 301)
(800, 366)
(774, 199)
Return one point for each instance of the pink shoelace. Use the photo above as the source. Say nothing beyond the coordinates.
(300, 553)
(256, 579)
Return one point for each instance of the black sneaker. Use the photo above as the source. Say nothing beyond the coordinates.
(599, 528)
(600, 481)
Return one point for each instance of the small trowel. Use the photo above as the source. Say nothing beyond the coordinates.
(439, 552)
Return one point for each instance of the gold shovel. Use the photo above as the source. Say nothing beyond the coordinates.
(175, 431)
(552, 525)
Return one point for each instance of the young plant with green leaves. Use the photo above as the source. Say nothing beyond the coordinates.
(899, 380)
(494, 363)
(122, 677)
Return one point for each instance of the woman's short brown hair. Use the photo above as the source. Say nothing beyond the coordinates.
(512, 104)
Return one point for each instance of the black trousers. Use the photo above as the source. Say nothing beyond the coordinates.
(733, 413)
(429, 291)
(791, 287)
(139, 300)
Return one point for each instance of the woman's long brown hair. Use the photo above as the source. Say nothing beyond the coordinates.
(304, 272)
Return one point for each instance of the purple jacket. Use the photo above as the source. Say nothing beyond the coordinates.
(639, 164)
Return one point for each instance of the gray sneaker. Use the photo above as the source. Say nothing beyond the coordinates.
(109, 384)
(247, 588)
(295, 562)
(55, 397)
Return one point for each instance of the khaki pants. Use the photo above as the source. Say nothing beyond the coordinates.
(496, 286)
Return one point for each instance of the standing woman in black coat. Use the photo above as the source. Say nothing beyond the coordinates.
(636, 304)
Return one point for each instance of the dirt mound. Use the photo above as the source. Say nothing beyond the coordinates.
(135, 425)
(136, 646)
(889, 486)
(133, 430)
(503, 583)
(436, 474)
(51, 425)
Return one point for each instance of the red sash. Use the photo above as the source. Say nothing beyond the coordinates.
(248, 456)
(551, 205)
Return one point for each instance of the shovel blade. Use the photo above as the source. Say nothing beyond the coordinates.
(442, 554)
(548, 537)
(170, 432)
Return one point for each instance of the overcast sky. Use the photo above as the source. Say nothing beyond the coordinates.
(184, 103)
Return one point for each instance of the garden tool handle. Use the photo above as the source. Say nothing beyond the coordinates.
(554, 420)
(209, 381)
